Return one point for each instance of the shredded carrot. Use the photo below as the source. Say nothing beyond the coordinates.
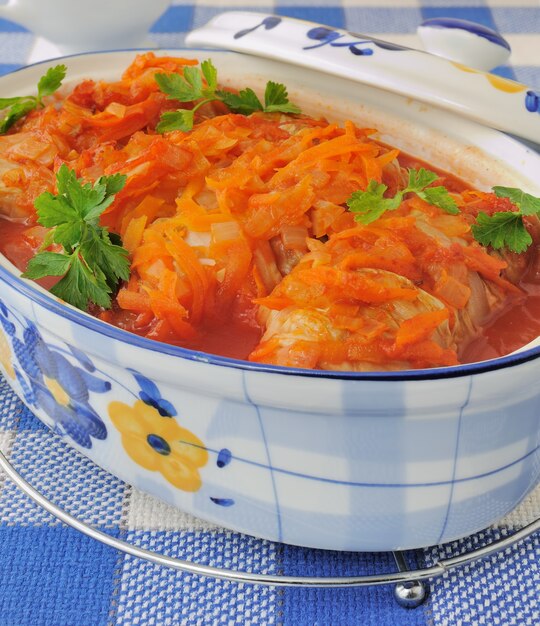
(132, 300)
(419, 327)
(133, 233)
(189, 263)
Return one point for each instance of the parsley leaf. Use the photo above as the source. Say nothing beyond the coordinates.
(439, 197)
(176, 120)
(190, 88)
(244, 102)
(54, 210)
(50, 264)
(420, 179)
(276, 99)
(210, 74)
(176, 87)
(370, 205)
(504, 229)
(14, 109)
(67, 233)
(528, 205)
(15, 112)
(507, 229)
(99, 251)
(193, 78)
(80, 285)
(92, 261)
(51, 81)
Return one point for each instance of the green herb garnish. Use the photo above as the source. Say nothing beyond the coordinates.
(371, 204)
(190, 88)
(276, 100)
(16, 108)
(90, 262)
(506, 229)
(502, 230)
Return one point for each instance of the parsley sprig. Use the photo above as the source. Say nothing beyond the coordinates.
(504, 229)
(191, 88)
(371, 204)
(92, 261)
(14, 109)
(507, 229)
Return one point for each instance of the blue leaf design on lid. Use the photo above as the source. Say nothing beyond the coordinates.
(268, 23)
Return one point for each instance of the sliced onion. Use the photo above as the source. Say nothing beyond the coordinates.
(266, 265)
(225, 231)
(294, 237)
(116, 109)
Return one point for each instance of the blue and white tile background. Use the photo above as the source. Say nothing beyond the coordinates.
(52, 576)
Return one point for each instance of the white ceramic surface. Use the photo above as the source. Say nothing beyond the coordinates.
(336, 460)
(82, 26)
(464, 42)
(471, 44)
(487, 98)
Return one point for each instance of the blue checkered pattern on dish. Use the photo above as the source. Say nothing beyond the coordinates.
(50, 575)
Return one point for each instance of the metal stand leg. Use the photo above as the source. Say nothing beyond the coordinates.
(411, 593)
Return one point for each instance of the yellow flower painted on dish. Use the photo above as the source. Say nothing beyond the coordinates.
(502, 84)
(6, 356)
(159, 444)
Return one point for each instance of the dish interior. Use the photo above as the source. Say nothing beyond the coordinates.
(470, 152)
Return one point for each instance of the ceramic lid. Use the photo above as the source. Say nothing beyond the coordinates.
(487, 98)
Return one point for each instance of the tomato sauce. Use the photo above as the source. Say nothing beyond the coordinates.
(13, 245)
(19, 248)
(235, 340)
(515, 326)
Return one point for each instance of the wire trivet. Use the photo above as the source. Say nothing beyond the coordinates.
(410, 588)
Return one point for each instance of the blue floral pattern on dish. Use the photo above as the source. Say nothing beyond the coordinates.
(222, 501)
(151, 395)
(532, 101)
(50, 382)
(157, 442)
(224, 457)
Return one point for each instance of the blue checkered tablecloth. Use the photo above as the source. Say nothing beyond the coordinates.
(51, 575)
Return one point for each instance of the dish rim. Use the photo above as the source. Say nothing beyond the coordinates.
(36, 294)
